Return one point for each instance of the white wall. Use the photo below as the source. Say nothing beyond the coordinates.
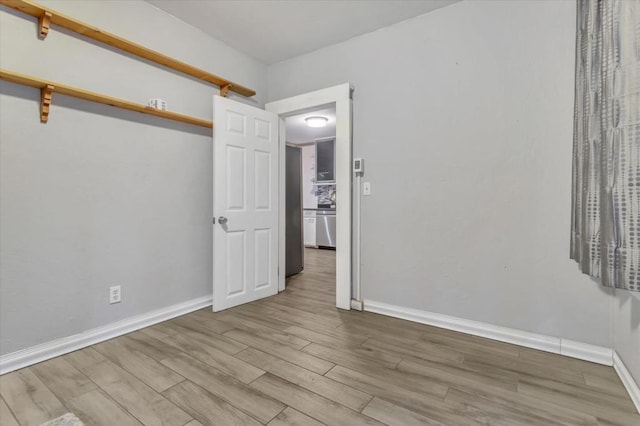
(627, 330)
(464, 117)
(101, 196)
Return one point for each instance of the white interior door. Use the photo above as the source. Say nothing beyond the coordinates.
(245, 203)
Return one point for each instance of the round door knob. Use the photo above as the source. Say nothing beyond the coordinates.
(222, 220)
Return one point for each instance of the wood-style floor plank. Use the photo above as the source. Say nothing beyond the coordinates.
(391, 414)
(309, 380)
(612, 386)
(204, 319)
(145, 368)
(593, 406)
(499, 366)
(430, 406)
(6, 417)
(137, 398)
(64, 380)
(327, 318)
(140, 341)
(481, 409)
(582, 392)
(291, 417)
(226, 387)
(194, 423)
(433, 353)
(207, 408)
(554, 413)
(456, 375)
(30, 400)
(354, 357)
(378, 371)
(564, 362)
(293, 359)
(309, 403)
(200, 334)
(331, 340)
(294, 356)
(251, 315)
(391, 337)
(263, 331)
(96, 408)
(229, 364)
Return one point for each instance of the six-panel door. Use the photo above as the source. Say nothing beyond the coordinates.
(245, 204)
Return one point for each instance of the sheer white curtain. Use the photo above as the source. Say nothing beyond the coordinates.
(605, 232)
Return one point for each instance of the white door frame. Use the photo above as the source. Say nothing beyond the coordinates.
(340, 96)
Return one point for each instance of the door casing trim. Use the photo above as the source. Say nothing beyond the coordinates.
(340, 96)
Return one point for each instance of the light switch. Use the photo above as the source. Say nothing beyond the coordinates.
(366, 188)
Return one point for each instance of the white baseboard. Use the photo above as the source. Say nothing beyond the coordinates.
(587, 352)
(598, 354)
(356, 304)
(627, 380)
(54, 348)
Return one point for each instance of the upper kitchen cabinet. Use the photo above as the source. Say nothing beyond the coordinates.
(325, 160)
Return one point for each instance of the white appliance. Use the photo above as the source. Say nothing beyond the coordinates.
(326, 228)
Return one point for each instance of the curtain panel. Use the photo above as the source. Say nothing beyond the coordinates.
(605, 226)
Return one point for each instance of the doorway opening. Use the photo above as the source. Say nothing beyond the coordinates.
(338, 100)
(310, 200)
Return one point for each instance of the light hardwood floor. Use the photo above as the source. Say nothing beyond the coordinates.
(293, 359)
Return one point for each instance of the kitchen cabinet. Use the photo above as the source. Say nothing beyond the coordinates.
(325, 160)
(309, 199)
(309, 230)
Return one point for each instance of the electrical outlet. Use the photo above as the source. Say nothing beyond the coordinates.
(115, 294)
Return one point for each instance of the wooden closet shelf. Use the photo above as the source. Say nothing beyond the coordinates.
(48, 16)
(49, 87)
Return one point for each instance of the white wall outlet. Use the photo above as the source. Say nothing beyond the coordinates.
(115, 294)
(366, 188)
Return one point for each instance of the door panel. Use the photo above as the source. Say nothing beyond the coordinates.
(263, 180)
(262, 258)
(245, 176)
(236, 172)
(236, 261)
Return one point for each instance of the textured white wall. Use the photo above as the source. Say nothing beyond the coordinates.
(101, 196)
(464, 117)
(627, 330)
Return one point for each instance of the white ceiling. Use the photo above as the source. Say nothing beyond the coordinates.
(275, 30)
(297, 131)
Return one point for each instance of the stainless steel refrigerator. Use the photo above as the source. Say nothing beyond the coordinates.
(294, 262)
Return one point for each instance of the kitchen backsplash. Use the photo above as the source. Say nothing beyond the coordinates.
(313, 195)
(324, 192)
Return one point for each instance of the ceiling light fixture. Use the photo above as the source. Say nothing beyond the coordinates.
(316, 121)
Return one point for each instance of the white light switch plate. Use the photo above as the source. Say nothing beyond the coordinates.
(366, 188)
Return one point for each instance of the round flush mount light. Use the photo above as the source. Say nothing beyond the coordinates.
(316, 121)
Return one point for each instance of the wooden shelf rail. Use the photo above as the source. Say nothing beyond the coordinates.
(48, 88)
(47, 17)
